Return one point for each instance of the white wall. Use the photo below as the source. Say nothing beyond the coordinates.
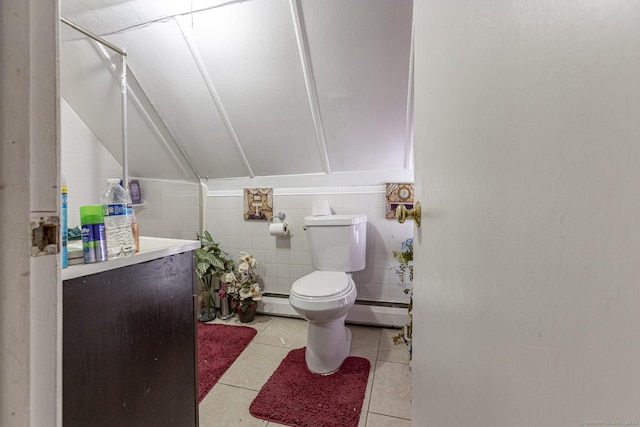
(171, 208)
(283, 260)
(527, 130)
(85, 162)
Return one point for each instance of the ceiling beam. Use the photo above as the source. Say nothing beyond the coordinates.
(312, 94)
(191, 173)
(408, 132)
(152, 124)
(215, 97)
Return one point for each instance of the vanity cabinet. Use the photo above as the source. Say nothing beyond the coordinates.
(129, 345)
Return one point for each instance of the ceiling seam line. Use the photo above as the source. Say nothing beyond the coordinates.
(140, 108)
(150, 121)
(215, 98)
(312, 93)
(408, 132)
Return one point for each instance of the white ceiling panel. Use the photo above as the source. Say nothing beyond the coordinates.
(89, 87)
(92, 88)
(151, 147)
(360, 51)
(250, 52)
(237, 88)
(105, 17)
(164, 67)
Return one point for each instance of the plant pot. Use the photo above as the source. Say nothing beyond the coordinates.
(249, 314)
(225, 308)
(207, 314)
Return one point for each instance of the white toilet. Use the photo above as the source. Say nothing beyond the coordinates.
(324, 297)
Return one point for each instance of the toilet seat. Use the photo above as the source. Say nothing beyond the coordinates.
(324, 298)
(323, 285)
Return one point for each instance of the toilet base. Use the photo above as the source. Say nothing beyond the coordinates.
(328, 344)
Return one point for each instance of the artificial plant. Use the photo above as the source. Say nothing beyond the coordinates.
(211, 262)
(405, 272)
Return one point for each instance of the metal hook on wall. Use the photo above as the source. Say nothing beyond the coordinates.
(281, 216)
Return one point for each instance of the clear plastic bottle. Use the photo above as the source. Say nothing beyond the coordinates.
(117, 222)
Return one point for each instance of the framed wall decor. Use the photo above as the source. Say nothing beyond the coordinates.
(398, 194)
(258, 203)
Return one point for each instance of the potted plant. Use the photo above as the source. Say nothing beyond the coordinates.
(243, 288)
(405, 272)
(211, 263)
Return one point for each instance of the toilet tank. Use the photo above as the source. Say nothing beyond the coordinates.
(337, 242)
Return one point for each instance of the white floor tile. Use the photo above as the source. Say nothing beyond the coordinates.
(362, 422)
(364, 341)
(227, 406)
(284, 332)
(388, 394)
(259, 324)
(377, 420)
(254, 366)
(391, 391)
(390, 351)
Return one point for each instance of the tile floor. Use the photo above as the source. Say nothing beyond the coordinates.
(387, 400)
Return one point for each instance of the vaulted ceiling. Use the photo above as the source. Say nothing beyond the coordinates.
(224, 89)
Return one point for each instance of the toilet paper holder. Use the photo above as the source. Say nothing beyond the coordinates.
(281, 216)
(280, 228)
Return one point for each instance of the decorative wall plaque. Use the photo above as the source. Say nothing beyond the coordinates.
(398, 194)
(258, 203)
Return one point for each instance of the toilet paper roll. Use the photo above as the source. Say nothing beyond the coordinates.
(320, 208)
(279, 229)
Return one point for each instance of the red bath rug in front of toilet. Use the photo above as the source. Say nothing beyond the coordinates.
(295, 396)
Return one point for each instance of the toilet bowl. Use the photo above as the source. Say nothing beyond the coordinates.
(337, 245)
(324, 298)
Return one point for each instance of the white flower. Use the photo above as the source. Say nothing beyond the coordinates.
(229, 278)
(252, 292)
(232, 288)
(256, 293)
(246, 261)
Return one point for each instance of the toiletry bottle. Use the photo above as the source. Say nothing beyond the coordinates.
(94, 242)
(63, 221)
(134, 228)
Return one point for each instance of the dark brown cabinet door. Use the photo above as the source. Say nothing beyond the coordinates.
(129, 346)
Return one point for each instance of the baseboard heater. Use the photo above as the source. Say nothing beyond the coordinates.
(377, 313)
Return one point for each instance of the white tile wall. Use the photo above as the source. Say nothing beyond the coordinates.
(85, 162)
(171, 208)
(283, 260)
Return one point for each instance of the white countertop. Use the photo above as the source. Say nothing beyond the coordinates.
(150, 248)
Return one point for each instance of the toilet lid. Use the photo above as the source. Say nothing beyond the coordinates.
(321, 284)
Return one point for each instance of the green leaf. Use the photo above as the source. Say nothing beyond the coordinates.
(201, 269)
(211, 261)
(206, 256)
(217, 263)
